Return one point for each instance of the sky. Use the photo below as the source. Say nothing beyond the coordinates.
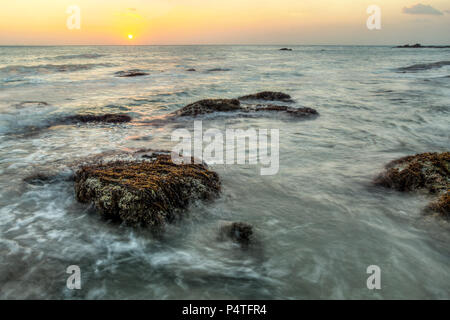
(184, 22)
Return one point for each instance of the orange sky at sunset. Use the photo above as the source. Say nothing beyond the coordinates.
(43, 22)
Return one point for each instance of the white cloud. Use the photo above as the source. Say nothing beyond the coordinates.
(423, 10)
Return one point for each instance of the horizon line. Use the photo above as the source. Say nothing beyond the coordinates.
(173, 45)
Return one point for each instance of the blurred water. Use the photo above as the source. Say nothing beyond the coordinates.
(319, 223)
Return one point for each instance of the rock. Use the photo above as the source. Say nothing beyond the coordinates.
(427, 171)
(227, 105)
(424, 66)
(48, 177)
(240, 232)
(268, 96)
(209, 106)
(218, 70)
(107, 118)
(38, 179)
(442, 205)
(285, 49)
(418, 45)
(298, 112)
(146, 189)
(131, 73)
(191, 70)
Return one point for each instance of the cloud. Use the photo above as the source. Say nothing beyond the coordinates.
(422, 9)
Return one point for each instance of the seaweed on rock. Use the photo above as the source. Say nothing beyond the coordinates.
(145, 193)
(428, 171)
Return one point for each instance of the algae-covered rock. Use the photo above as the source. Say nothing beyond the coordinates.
(268, 96)
(146, 192)
(442, 205)
(427, 171)
(298, 112)
(209, 106)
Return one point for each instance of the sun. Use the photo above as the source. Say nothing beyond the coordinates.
(130, 36)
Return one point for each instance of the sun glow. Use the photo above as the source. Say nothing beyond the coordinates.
(130, 36)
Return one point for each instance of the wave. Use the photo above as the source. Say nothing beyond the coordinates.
(50, 68)
(424, 66)
(79, 56)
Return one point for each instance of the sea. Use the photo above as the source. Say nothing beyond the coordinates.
(320, 224)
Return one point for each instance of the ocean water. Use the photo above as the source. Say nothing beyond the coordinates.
(319, 223)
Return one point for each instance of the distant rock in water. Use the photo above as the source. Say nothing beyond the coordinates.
(209, 106)
(285, 49)
(106, 118)
(240, 232)
(427, 171)
(268, 96)
(146, 190)
(418, 45)
(191, 70)
(424, 66)
(131, 73)
(219, 70)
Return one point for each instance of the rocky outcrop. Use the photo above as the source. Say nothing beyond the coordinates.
(268, 96)
(208, 106)
(426, 171)
(419, 46)
(106, 118)
(145, 188)
(298, 112)
(240, 232)
(131, 73)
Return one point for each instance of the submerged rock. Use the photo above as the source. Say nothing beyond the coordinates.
(218, 70)
(240, 232)
(427, 171)
(191, 70)
(285, 49)
(268, 96)
(146, 192)
(38, 179)
(424, 66)
(107, 118)
(131, 73)
(209, 106)
(34, 104)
